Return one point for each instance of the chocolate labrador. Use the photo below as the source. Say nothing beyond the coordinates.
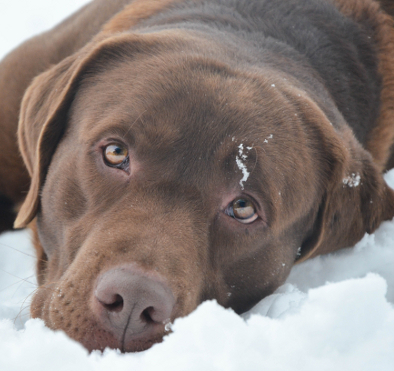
(176, 151)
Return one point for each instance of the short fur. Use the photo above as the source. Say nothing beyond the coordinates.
(300, 92)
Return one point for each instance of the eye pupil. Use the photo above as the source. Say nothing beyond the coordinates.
(243, 210)
(115, 154)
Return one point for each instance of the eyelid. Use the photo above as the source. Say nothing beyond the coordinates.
(230, 210)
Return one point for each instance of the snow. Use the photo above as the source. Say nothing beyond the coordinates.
(352, 180)
(241, 165)
(269, 137)
(23, 18)
(335, 312)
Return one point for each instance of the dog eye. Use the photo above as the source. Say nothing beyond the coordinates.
(243, 210)
(115, 154)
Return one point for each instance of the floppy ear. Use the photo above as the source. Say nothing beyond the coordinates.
(41, 125)
(43, 116)
(356, 198)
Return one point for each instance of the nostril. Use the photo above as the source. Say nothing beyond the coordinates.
(114, 305)
(146, 315)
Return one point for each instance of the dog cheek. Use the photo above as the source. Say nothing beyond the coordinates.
(62, 196)
(257, 275)
(63, 206)
(73, 204)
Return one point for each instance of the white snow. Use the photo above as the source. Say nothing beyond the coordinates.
(239, 160)
(334, 313)
(352, 180)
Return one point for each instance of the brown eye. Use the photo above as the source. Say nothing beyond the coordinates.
(243, 210)
(115, 154)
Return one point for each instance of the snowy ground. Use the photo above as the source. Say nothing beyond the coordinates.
(334, 313)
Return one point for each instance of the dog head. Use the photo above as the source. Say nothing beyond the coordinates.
(164, 175)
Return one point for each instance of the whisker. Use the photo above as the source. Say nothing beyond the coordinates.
(21, 283)
(43, 287)
(19, 278)
(13, 248)
(24, 306)
(133, 123)
(15, 283)
(19, 315)
(24, 253)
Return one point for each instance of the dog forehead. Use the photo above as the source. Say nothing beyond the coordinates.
(192, 116)
(178, 99)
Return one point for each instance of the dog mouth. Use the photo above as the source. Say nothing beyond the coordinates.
(128, 339)
(152, 333)
(129, 309)
(100, 340)
(141, 345)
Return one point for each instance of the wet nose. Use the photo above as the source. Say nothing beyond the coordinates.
(132, 304)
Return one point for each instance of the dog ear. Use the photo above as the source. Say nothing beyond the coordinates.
(41, 126)
(356, 198)
(43, 116)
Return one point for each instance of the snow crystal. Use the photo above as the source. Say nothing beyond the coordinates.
(269, 137)
(241, 165)
(352, 180)
(244, 170)
(240, 152)
(167, 325)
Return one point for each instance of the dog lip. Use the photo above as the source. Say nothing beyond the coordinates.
(124, 345)
(141, 340)
(140, 345)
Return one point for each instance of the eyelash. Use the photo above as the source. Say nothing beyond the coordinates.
(122, 166)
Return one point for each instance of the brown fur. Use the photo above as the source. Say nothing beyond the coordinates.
(388, 6)
(382, 136)
(184, 107)
(18, 69)
(136, 12)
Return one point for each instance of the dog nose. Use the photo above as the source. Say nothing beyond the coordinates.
(132, 305)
